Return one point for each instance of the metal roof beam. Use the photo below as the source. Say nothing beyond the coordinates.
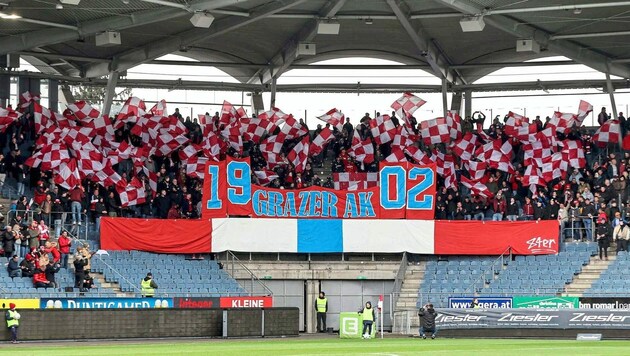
(156, 49)
(428, 50)
(283, 59)
(572, 50)
(30, 40)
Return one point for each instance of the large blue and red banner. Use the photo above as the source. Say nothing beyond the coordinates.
(396, 216)
(406, 191)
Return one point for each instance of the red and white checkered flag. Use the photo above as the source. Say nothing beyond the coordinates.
(108, 176)
(299, 154)
(397, 155)
(292, 128)
(476, 187)
(89, 160)
(212, 146)
(476, 169)
(465, 147)
(167, 143)
(254, 129)
(535, 153)
(403, 137)
(333, 117)
(195, 167)
(7, 117)
(270, 149)
(517, 126)
(54, 155)
(383, 129)
(406, 105)
(317, 146)
(573, 153)
(83, 110)
(230, 114)
(519, 120)
(159, 109)
(435, 131)
(562, 121)
(274, 115)
(454, 122)
(354, 181)
(584, 109)
(132, 194)
(68, 175)
(532, 177)
(232, 133)
(609, 132)
(362, 151)
(27, 98)
(266, 176)
(132, 107)
(418, 155)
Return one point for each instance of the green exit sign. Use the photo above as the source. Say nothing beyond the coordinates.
(362, 277)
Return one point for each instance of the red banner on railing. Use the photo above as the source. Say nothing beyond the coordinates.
(155, 235)
(494, 238)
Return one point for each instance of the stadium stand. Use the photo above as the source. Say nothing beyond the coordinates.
(612, 281)
(175, 275)
(492, 276)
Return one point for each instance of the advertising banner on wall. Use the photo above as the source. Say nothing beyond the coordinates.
(105, 303)
(484, 302)
(604, 303)
(406, 191)
(532, 319)
(546, 302)
(20, 303)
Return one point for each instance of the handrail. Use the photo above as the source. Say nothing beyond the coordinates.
(119, 274)
(398, 281)
(29, 218)
(490, 269)
(231, 258)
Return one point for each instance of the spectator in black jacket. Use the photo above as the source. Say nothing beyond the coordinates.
(8, 242)
(50, 271)
(79, 270)
(511, 210)
(14, 267)
(603, 237)
(427, 321)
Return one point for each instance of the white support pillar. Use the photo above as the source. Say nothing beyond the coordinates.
(312, 292)
(272, 103)
(112, 81)
(467, 103)
(611, 93)
(444, 96)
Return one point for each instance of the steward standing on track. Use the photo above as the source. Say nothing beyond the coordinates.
(427, 320)
(321, 306)
(13, 322)
(148, 286)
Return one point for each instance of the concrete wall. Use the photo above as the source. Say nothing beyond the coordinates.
(51, 324)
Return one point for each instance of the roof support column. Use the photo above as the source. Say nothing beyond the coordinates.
(613, 105)
(467, 103)
(110, 93)
(53, 95)
(5, 89)
(272, 103)
(456, 101)
(444, 96)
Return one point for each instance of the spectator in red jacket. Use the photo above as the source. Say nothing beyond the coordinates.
(39, 278)
(528, 209)
(498, 206)
(64, 243)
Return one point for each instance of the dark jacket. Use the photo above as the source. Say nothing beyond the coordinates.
(153, 284)
(602, 234)
(8, 242)
(427, 318)
(13, 266)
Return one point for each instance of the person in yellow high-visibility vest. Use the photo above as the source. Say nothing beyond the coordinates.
(321, 306)
(13, 322)
(369, 317)
(148, 286)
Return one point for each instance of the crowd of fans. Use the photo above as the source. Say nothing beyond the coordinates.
(579, 201)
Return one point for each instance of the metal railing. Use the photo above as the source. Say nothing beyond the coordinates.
(398, 282)
(575, 229)
(493, 270)
(55, 225)
(237, 270)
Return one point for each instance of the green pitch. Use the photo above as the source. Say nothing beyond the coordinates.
(329, 346)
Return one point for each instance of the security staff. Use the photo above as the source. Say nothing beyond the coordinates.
(13, 322)
(369, 316)
(148, 286)
(321, 306)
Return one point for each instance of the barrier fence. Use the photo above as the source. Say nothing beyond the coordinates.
(57, 222)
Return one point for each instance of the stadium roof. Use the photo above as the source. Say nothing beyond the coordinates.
(256, 40)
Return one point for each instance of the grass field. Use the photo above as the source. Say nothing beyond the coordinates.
(328, 346)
